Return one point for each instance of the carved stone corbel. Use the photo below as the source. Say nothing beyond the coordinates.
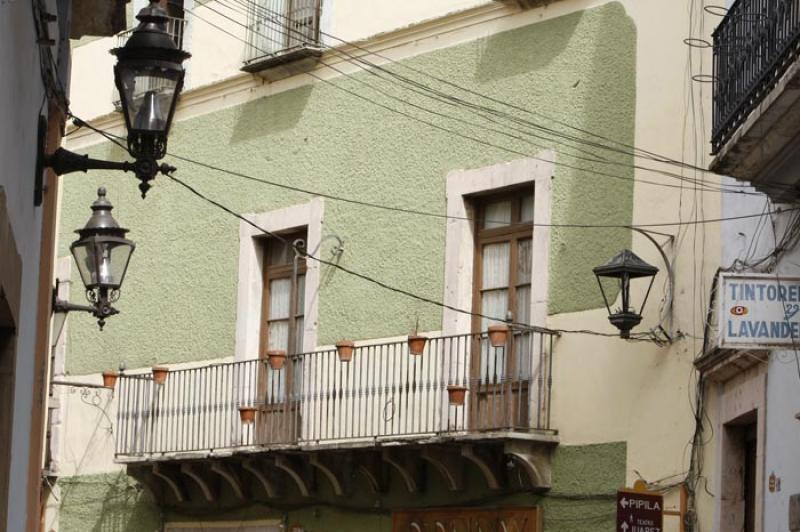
(370, 465)
(200, 478)
(297, 472)
(407, 466)
(336, 469)
(486, 462)
(170, 479)
(536, 460)
(268, 482)
(449, 464)
(231, 477)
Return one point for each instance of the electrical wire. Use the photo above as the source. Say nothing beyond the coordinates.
(630, 149)
(439, 114)
(248, 5)
(116, 140)
(376, 281)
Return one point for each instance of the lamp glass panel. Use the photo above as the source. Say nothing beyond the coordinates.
(86, 260)
(113, 263)
(149, 92)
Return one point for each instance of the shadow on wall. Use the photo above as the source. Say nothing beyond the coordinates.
(254, 119)
(121, 516)
(107, 503)
(500, 55)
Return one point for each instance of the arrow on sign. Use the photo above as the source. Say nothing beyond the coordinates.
(624, 527)
(624, 502)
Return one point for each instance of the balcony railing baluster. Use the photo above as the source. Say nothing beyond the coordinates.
(383, 392)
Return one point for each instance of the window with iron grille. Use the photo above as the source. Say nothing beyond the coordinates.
(280, 27)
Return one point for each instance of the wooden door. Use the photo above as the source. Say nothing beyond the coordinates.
(283, 303)
(500, 376)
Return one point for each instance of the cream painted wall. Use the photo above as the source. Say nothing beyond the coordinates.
(636, 392)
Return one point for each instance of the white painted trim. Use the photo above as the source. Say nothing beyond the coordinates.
(250, 288)
(460, 237)
(326, 23)
(57, 404)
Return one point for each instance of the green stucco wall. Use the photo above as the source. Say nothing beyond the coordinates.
(179, 299)
(585, 480)
(106, 503)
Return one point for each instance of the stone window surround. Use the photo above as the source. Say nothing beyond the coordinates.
(460, 236)
(250, 285)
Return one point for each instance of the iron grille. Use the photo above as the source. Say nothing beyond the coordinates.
(276, 27)
(753, 46)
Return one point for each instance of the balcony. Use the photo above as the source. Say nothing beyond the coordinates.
(756, 113)
(386, 405)
(175, 27)
(282, 33)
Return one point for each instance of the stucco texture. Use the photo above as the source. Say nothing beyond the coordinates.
(179, 299)
(585, 479)
(106, 503)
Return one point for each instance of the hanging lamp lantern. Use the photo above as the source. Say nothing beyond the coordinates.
(102, 254)
(149, 76)
(623, 268)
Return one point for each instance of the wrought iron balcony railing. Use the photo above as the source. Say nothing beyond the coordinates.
(278, 27)
(753, 46)
(315, 399)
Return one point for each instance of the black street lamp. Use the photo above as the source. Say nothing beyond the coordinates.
(149, 77)
(102, 254)
(624, 267)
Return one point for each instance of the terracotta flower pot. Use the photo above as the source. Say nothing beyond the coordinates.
(345, 350)
(416, 344)
(456, 394)
(498, 335)
(160, 374)
(110, 379)
(247, 414)
(276, 359)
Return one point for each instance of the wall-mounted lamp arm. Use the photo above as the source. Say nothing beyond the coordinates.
(670, 280)
(65, 162)
(101, 310)
(59, 305)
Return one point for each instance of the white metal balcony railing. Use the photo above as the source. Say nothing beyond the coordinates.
(176, 28)
(383, 393)
(275, 27)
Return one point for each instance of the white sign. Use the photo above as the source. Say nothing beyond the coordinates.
(759, 311)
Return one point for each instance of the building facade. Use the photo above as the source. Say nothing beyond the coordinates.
(753, 381)
(398, 170)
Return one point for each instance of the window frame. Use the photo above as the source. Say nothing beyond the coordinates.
(249, 288)
(463, 187)
(282, 271)
(513, 233)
